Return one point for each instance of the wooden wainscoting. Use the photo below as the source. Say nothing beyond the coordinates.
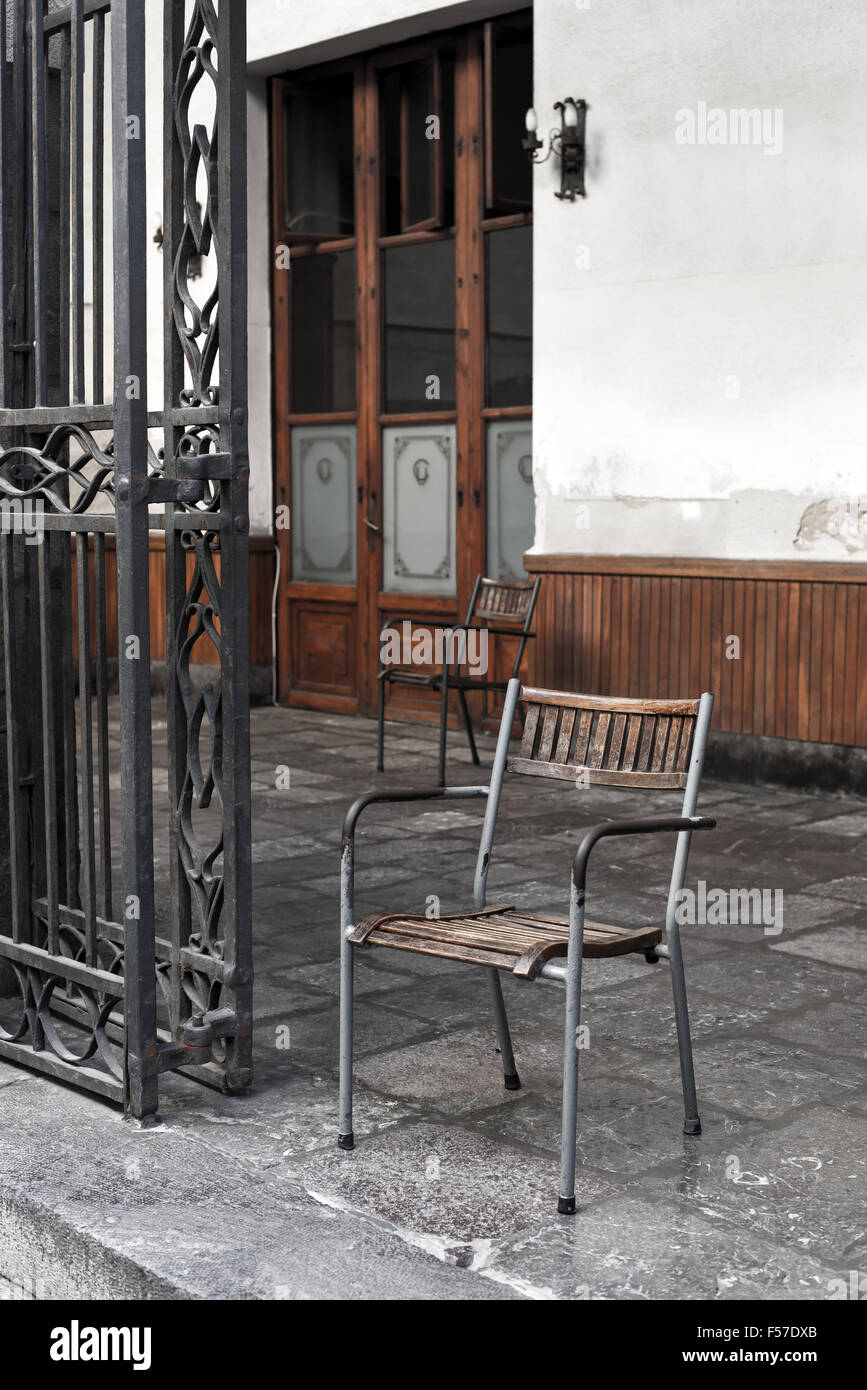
(261, 589)
(634, 626)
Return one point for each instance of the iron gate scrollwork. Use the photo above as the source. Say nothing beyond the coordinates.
(112, 973)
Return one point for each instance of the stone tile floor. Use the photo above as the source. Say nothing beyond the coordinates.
(453, 1182)
(769, 1201)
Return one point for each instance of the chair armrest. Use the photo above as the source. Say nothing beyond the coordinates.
(347, 856)
(629, 827)
(404, 794)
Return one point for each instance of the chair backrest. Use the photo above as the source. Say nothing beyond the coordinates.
(612, 741)
(501, 601)
(603, 739)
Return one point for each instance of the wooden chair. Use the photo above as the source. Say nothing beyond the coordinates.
(496, 607)
(654, 744)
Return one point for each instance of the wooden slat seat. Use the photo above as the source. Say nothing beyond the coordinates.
(505, 937)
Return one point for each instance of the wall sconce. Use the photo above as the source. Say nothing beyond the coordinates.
(567, 142)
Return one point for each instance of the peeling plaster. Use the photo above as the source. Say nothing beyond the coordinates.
(843, 521)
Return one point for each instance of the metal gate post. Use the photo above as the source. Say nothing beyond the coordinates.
(207, 541)
(234, 532)
(131, 487)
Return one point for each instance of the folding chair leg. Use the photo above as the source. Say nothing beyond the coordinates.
(468, 724)
(344, 1136)
(380, 746)
(511, 1080)
(569, 1135)
(691, 1121)
(444, 721)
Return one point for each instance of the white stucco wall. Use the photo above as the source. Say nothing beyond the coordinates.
(700, 330)
(285, 34)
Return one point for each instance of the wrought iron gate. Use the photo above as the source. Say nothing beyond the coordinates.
(116, 968)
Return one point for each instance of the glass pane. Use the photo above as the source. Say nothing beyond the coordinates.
(511, 174)
(421, 152)
(323, 333)
(419, 327)
(319, 159)
(511, 511)
(323, 503)
(418, 509)
(510, 317)
(389, 127)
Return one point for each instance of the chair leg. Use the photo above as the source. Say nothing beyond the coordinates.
(691, 1121)
(569, 1135)
(444, 720)
(380, 746)
(345, 1137)
(511, 1080)
(468, 724)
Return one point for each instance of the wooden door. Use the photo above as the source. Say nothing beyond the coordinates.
(402, 383)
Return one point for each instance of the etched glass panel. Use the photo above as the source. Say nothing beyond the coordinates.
(511, 510)
(323, 503)
(419, 509)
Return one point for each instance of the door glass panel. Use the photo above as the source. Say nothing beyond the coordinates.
(323, 333)
(419, 327)
(323, 503)
(511, 512)
(509, 64)
(319, 160)
(390, 146)
(418, 509)
(423, 206)
(416, 119)
(509, 316)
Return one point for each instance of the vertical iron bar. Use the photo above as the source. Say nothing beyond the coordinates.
(85, 715)
(231, 244)
(130, 424)
(49, 779)
(76, 208)
(176, 564)
(37, 98)
(99, 582)
(98, 204)
(4, 291)
(65, 160)
(62, 544)
(22, 362)
(18, 877)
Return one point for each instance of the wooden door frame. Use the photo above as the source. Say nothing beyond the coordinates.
(372, 605)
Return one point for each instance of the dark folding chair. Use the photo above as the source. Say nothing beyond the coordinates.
(654, 744)
(498, 608)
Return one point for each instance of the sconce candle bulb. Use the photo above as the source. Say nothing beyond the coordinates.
(531, 122)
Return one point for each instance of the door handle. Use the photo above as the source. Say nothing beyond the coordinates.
(371, 525)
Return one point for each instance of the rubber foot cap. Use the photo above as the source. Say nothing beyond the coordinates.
(566, 1206)
(512, 1082)
(692, 1126)
(346, 1141)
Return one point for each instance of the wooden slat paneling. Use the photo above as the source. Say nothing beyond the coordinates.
(659, 628)
(261, 587)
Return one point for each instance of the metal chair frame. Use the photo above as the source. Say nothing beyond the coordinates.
(553, 972)
(507, 625)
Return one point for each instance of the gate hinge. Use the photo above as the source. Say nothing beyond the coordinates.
(200, 1030)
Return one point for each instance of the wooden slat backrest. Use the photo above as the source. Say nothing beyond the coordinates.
(499, 601)
(615, 742)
